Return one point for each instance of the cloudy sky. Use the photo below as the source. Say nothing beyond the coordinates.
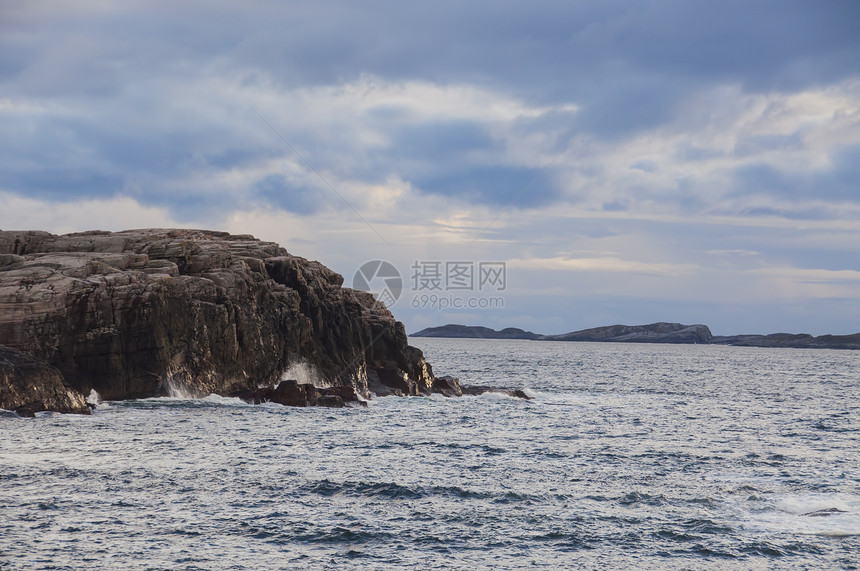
(629, 162)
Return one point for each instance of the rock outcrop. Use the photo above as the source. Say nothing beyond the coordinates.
(481, 389)
(141, 313)
(292, 393)
(28, 386)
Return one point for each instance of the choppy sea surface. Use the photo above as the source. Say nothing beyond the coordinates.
(628, 457)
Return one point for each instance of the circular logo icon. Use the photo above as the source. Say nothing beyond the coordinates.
(381, 279)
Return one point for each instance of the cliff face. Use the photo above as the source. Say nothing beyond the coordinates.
(28, 386)
(139, 313)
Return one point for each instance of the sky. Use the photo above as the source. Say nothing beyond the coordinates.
(549, 165)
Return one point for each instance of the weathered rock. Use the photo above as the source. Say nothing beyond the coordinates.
(331, 401)
(380, 389)
(292, 393)
(145, 312)
(28, 386)
(26, 411)
(481, 389)
(251, 396)
(345, 394)
(448, 386)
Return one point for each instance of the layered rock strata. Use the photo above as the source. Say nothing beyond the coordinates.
(141, 313)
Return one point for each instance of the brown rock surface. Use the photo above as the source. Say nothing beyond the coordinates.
(28, 386)
(482, 389)
(139, 313)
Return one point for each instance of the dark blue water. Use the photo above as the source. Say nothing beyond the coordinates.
(629, 456)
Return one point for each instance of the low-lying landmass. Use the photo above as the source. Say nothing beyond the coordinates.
(145, 313)
(475, 332)
(652, 333)
(799, 341)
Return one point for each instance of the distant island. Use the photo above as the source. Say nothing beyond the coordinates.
(475, 332)
(653, 333)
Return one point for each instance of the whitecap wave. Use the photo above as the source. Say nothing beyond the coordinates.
(218, 399)
(835, 515)
(304, 373)
(94, 398)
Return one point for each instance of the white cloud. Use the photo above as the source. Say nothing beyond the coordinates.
(723, 129)
(121, 213)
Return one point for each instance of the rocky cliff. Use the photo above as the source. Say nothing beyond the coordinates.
(28, 386)
(146, 312)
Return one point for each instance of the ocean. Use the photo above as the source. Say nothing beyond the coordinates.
(629, 456)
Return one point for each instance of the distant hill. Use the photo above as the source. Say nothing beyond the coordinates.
(475, 332)
(653, 333)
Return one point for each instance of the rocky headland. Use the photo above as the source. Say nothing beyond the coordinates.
(652, 333)
(144, 313)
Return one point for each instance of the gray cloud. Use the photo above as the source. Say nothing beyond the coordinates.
(838, 182)
(518, 187)
(278, 191)
(547, 49)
